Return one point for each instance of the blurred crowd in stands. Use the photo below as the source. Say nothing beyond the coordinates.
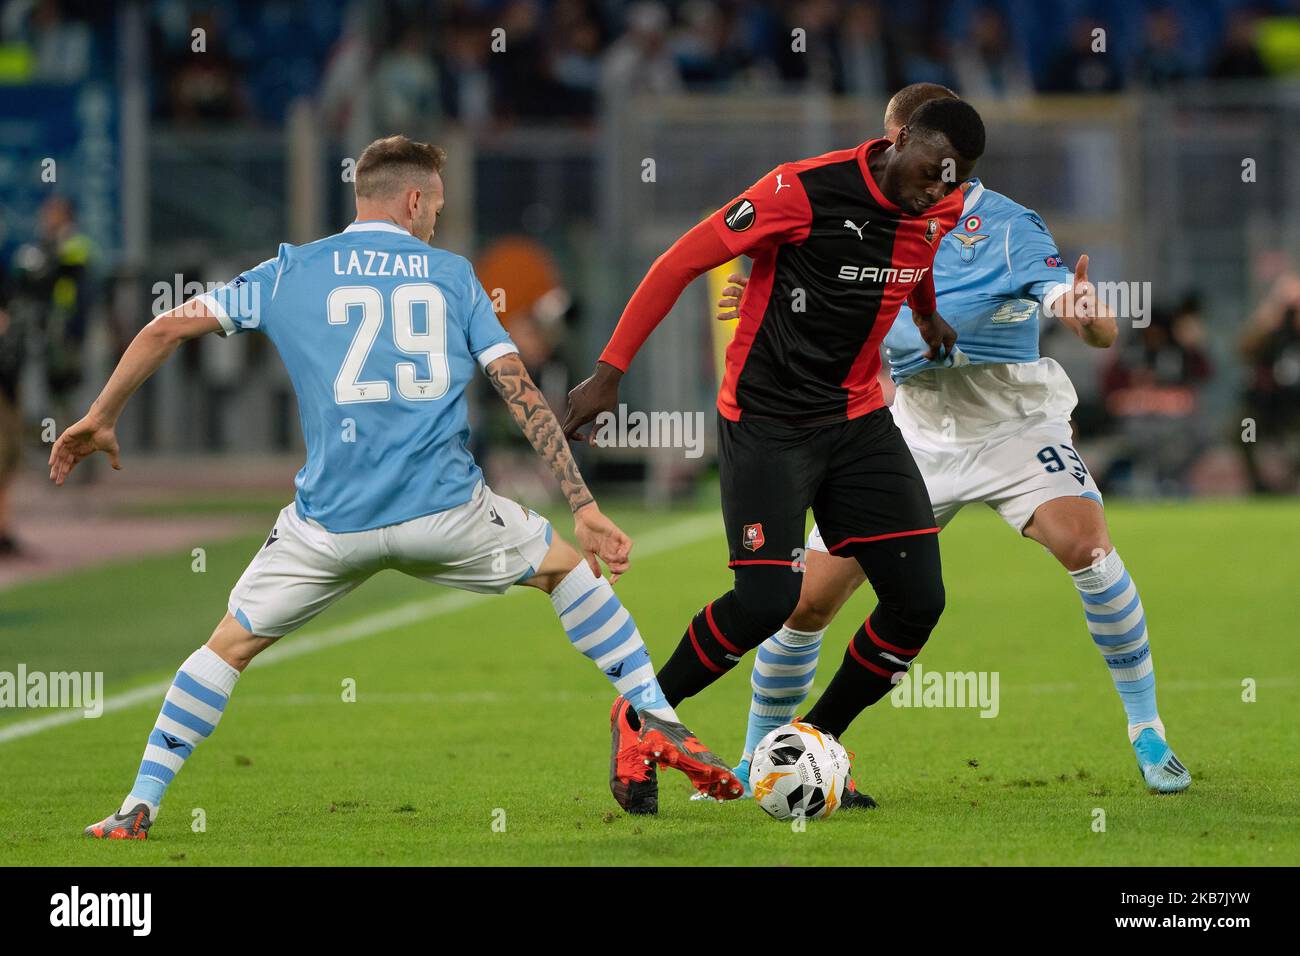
(415, 57)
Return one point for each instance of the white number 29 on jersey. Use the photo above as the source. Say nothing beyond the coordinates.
(348, 388)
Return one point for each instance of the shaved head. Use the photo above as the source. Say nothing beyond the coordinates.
(906, 101)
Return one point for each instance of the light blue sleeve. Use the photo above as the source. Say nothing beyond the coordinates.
(488, 339)
(1035, 263)
(242, 303)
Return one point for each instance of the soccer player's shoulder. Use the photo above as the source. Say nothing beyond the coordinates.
(824, 159)
(442, 259)
(999, 206)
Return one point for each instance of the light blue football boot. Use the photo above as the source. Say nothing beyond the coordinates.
(741, 772)
(1161, 770)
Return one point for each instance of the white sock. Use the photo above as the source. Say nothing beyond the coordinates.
(602, 630)
(782, 679)
(190, 712)
(1117, 622)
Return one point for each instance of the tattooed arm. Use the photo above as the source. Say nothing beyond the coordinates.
(536, 420)
(597, 535)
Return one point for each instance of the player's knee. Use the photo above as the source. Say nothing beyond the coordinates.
(814, 612)
(1083, 551)
(235, 645)
(922, 605)
(828, 583)
(561, 558)
(933, 600)
(768, 596)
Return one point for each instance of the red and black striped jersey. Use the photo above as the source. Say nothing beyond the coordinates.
(833, 261)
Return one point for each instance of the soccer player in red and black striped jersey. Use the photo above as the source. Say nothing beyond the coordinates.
(838, 243)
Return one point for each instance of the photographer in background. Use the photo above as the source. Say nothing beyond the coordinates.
(52, 299)
(1152, 391)
(1270, 346)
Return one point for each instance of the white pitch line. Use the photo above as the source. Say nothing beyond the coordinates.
(676, 535)
(563, 696)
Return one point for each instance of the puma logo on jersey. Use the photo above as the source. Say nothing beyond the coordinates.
(780, 185)
(848, 224)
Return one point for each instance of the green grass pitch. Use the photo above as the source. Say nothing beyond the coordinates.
(472, 712)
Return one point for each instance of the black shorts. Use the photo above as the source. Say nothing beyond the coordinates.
(858, 476)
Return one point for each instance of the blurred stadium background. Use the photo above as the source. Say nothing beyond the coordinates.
(151, 144)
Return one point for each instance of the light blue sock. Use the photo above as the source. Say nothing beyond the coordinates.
(190, 712)
(784, 668)
(603, 631)
(1119, 628)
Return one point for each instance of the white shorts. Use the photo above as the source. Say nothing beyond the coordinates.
(484, 545)
(997, 434)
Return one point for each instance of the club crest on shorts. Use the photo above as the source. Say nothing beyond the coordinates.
(752, 537)
(931, 230)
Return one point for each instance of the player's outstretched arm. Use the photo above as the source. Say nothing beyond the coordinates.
(597, 535)
(1083, 313)
(152, 346)
(694, 254)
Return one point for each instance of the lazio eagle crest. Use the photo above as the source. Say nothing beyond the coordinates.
(968, 244)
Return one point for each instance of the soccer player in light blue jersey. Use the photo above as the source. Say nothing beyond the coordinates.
(989, 424)
(381, 334)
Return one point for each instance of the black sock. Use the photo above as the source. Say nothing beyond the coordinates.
(705, 652)
(909, 584)
(859, 683)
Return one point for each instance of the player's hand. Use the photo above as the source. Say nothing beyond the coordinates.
(729, 303)
(598, 537)
(81, 441)
(939, 336)
(589, 398)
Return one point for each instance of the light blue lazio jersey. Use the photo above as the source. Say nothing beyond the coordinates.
(990, 274)
(380, 334)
